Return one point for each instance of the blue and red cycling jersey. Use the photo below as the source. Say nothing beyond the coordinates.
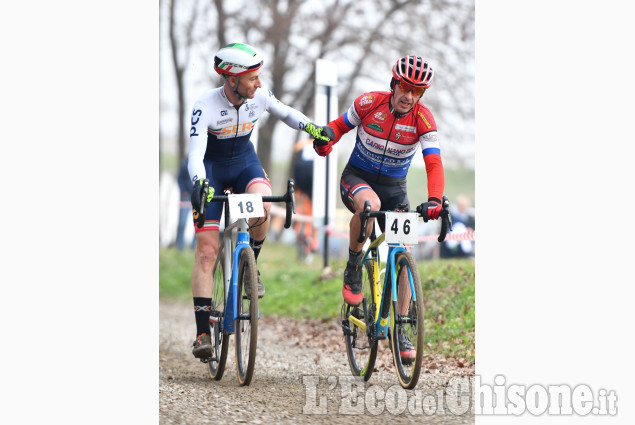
(386, 142)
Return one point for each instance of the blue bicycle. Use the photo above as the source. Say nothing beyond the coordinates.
(235, 290)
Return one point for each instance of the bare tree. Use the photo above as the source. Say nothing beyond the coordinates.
(181, 43)
(364, 39)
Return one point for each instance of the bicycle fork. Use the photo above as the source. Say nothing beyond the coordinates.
(399, 319)
(231, 283)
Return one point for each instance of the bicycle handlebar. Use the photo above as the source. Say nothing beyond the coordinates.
(288, 198)
(446, 221)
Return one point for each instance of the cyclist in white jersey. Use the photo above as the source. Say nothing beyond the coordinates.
(221, 153)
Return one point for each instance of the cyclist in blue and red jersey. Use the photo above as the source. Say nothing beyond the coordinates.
(390, 127)
(222, 154)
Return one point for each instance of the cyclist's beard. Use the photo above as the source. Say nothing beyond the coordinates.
(235, 90)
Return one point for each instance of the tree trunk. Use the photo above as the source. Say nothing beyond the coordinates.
(182, 148)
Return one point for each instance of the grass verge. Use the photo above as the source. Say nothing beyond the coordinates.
(294, 289)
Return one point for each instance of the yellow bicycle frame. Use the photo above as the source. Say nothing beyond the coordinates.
(377, 284)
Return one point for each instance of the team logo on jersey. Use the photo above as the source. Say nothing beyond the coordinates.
(424, 119)
(380, 116)
(195, 118)
(374, 145)
(400, 150)
(354, 115)
(374, 126)
(430, 137)
(232, 129)
(398, 135)
(366, 101)
(223, 113)
(406, 128)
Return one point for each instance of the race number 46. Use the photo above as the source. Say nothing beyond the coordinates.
(245, 205)
(401, 228)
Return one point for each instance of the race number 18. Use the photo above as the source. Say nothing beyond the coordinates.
(245, 205)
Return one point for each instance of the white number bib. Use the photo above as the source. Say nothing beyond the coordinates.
(245, 205)
(402, 228)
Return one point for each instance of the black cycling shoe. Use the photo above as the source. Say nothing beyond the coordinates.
(352, 288)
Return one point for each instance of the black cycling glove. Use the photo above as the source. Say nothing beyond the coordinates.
(197, 193)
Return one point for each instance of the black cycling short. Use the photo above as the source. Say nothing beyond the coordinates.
(237, 174)
(390, 190)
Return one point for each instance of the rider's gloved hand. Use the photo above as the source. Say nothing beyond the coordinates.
(322, 149)
(430, 210)
(323, 134)
(197, 193)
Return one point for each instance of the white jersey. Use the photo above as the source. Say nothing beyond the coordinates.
(220, 131)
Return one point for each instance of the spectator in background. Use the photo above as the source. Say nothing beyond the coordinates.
(185, 206)
(303, 176)
(462, 221)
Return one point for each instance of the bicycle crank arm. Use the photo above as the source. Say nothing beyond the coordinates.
(354, 320)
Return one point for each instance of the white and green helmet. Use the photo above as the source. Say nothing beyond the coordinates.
(236, 59)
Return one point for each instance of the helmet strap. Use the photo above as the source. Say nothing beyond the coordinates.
(235, 88)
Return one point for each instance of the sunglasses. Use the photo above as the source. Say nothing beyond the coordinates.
(405, 87)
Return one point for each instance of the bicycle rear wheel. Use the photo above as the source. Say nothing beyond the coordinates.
(246, 336)
(361, 346)
(220, 339)
(410, 325)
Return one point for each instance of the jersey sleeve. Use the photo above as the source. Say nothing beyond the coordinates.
(288, 115)
(198, 141)
(431, 150)
(346, 122)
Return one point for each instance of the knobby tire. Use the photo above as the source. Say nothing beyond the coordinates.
(408, 370)
(361, 352)
(220, 340)
(246, 326)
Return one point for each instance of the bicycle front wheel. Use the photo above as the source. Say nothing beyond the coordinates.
(361, 345)
(409, 327)
(246, 336)
(219, 338)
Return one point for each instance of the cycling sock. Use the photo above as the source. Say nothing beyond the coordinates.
(202, 307)
(256, 245)
(355, 258)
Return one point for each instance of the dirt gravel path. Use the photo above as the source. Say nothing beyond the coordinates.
(301, 377)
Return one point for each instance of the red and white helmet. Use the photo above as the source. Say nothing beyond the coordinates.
(413, 70)
(236, 59)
